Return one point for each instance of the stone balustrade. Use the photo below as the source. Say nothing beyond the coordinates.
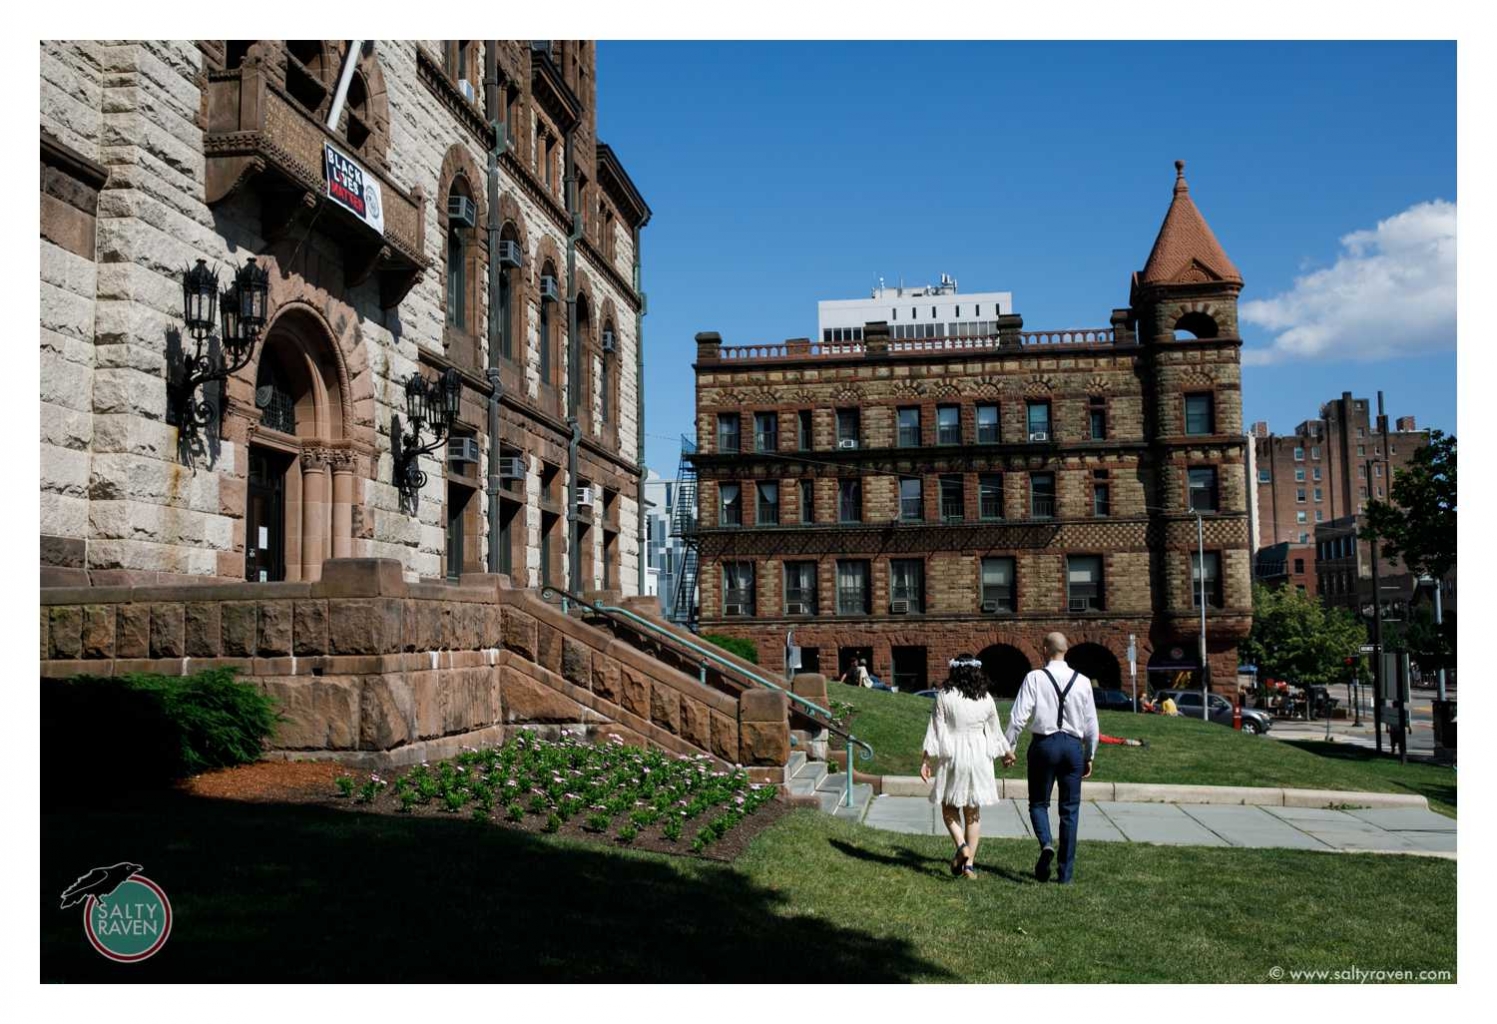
(370, 669)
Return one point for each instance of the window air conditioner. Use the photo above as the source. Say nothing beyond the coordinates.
(461, 210)
(610, 342)
(510, 254)
(1039, 435)
(990, 606)
(899, 607)
(797, 608)
(466, 88)
(1078, 604)
(549, 291)
(584, 497)
(462, 449)
(848, 442)
(733, 609)
(511, 467)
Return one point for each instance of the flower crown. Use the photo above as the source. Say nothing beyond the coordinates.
(965, 663)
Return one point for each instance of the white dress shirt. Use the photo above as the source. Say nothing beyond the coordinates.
(1037, 708)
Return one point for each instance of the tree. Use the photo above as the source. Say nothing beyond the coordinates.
(745, 649)
(1431, 646)
(1418, 524)
(1296, 638)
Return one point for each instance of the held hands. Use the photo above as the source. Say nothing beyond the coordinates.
(924, 770)
(1009, 759)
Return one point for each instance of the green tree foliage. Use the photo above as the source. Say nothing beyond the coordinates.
(1297, 638)
(1429, 645)
(745, 649)
(1418, 524)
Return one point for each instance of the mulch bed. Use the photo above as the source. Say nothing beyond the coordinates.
(311, 782)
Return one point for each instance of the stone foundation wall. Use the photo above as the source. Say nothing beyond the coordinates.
(370, 669)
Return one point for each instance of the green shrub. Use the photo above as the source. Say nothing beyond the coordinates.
(745, 649)
(141, 729)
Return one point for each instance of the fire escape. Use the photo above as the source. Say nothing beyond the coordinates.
(684, 607)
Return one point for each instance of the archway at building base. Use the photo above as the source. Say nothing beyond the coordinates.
(1098, 664)
(1005, 667)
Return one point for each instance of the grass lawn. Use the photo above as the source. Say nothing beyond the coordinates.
(272, 892)
(1181, 750)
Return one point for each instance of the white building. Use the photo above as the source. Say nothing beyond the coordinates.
(930, 311)
(664, 552)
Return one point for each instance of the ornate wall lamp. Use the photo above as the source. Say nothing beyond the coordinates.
(241, 318)
(429, 403)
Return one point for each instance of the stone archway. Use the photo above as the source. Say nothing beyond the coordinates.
(1005, 666)
(1097, 663)
(299, 510)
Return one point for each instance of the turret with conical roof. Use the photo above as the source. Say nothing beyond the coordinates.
(1188, 283)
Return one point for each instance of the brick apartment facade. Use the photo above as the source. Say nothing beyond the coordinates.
(1319, 474)
(906, 501)
(156, 154)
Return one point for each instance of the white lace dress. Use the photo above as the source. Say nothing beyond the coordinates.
(963, 739)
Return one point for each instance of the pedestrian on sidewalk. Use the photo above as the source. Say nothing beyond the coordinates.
(964, 738)
(1063, 719)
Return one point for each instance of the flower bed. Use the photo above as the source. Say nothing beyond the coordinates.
(625, 794)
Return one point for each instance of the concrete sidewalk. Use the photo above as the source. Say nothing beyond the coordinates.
(1410, 830)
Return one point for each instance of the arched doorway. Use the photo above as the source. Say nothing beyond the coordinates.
(1174, 666)
(300, 495)
(1005, 667)
(1098, 664)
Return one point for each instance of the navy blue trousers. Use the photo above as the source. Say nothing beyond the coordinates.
(1056, 758)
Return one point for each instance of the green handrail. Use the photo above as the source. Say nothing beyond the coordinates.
(866, 753)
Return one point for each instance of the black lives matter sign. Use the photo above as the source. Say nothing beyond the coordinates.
(352, 187)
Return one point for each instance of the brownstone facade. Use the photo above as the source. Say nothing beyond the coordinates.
(973, 494)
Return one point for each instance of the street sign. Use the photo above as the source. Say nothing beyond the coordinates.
(1368, 649)
(1132, 653)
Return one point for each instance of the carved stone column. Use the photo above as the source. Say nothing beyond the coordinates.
(342, 463)
(314, 509)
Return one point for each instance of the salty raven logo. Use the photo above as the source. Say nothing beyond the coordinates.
(99, 882)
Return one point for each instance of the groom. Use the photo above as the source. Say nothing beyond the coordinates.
(1055, 702)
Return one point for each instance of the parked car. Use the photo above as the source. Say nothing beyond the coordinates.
(1219, 710)
(932, 694)
(1112, 700)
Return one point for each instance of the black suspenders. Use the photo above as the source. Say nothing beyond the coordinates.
(1060, 696)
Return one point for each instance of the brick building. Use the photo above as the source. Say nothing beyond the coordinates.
(1284, 564)
(478, 160)
(1319, 473)
(908, 500)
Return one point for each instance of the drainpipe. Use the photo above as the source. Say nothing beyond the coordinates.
(574, 545)
(350, 63)
(496, 387)
(639, 416)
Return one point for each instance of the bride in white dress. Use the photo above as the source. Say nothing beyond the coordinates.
(963, 740)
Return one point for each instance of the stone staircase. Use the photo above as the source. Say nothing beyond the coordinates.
(805, 777)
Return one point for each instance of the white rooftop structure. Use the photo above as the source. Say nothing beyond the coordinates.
(929, 311)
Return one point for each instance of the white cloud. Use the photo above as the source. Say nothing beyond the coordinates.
(1391, 292)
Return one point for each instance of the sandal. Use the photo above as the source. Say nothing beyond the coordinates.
(959, 862)
(968, 871)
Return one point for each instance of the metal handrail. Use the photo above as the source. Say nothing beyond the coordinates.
(547, 592)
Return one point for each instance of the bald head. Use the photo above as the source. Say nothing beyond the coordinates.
(1055, 644)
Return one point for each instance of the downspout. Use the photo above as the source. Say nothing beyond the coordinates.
(574, 544)
(496, 386)
(641, 541)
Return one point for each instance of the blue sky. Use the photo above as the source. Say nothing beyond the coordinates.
(785, 173)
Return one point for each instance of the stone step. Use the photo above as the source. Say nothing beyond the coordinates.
(796, 762)
(802, 787)
(862, 796)
(812, 771)
(832, 780)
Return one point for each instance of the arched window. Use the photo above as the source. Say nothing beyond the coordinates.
(506, 304)
(605, 373)
(1196, 325)
(360, 126)
(273, 398)
(549, 295)
(460, 225)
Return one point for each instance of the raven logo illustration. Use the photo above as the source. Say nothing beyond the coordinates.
(99, 882)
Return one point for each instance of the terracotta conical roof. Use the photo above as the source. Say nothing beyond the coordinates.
(1186, 252)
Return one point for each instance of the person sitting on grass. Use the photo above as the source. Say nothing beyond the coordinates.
(964, 738)
(1167, 707)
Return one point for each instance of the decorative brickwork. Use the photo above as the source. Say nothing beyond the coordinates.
(971, 495)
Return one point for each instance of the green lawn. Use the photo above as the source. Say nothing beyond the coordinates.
(1181, 750)
(264, 892)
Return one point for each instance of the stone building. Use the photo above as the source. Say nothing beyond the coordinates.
(907, 500)
(500, 239)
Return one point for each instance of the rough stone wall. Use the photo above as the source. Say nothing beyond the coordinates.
(113, 492)
(370, 669)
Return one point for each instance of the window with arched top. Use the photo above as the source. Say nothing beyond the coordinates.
(1196, 325)
(550, 298)
(273, 397)
(510, 258)
(461, 223)
(606, 381)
